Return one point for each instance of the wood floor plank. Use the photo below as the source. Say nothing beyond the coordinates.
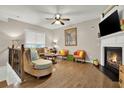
(71, 75)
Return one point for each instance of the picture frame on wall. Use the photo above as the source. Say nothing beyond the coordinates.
(71, 37)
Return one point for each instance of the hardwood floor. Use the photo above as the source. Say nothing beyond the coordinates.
(70, 75)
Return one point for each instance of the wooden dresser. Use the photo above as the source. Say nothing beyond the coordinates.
(121, 76)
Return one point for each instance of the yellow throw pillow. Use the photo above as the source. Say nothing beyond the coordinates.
(62, 52)
(80, 54)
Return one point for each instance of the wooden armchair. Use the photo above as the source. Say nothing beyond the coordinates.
(63, 53)
(41, 51)
(79, 55)
(37, 68)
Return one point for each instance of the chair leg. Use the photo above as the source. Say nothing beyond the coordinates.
(83, 60)
(75, 60)
(38, 77)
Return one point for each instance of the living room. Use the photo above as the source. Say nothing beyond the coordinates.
(65, 38)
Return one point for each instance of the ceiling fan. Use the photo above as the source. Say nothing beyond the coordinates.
(58, 19)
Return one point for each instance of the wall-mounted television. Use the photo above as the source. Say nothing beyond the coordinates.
(110, 25)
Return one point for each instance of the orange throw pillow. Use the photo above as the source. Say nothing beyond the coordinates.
(78, 52)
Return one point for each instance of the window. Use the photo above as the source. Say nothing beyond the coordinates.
(34, 39)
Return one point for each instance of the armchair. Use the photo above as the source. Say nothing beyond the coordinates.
(63, 53)
(79, 55)
(36, 67)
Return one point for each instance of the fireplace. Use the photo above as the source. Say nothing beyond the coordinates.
(113, 57)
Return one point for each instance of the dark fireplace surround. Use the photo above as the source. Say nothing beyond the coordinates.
(113, 57)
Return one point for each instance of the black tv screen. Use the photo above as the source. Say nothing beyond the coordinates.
(110, 25)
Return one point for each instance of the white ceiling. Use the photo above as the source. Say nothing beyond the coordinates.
(36, 14)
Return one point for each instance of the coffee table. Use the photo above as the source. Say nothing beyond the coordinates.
(51, 56)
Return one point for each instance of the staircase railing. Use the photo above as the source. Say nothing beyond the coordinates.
(16, 60)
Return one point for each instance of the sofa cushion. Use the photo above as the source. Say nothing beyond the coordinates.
(34, 54)
(42, 64)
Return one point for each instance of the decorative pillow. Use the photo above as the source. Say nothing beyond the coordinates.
(80, 54)
(66, 52)
(75, 53)
(62, 52)
(34, 54)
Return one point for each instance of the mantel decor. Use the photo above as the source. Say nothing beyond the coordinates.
(71, 37)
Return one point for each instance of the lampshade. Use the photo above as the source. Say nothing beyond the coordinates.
(57, 22)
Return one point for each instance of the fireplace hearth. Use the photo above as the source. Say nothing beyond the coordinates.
(113, 57)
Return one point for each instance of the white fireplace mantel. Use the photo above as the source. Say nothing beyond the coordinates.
(112, 40)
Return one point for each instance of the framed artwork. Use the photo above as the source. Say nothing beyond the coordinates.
(71, 37)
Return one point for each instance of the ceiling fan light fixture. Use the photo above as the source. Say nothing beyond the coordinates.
(57, 22)
(57, 16)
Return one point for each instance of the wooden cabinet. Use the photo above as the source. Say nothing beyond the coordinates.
(121, 76)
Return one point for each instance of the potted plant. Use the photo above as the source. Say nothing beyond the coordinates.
(95, 62)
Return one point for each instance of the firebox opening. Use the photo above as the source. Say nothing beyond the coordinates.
(113, 58)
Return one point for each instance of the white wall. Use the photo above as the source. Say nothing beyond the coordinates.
(3, 49)
(3, 73)
(87, 38)
(15, 30)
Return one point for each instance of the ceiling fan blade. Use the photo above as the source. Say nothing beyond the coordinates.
(61, 22)
(53, 22)
(65, 19)
(49, 18)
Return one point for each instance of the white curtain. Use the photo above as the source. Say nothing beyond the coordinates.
(34, 39)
